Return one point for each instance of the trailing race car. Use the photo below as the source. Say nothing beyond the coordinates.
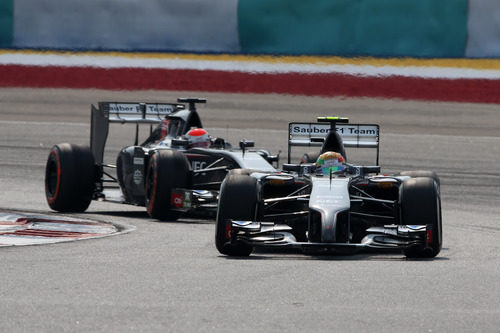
(330, 205)
(177, 169)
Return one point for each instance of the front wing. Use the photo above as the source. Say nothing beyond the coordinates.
(389, 237)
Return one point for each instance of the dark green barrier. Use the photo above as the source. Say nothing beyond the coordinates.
(6, 22)
(386, 28)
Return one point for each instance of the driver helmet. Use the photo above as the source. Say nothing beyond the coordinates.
(198, 137)
(330, 162)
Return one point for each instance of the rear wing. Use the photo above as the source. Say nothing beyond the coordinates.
(123, 112)
(314, 134)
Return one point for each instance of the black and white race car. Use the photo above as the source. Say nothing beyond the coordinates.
(177, 169)
(330, 205)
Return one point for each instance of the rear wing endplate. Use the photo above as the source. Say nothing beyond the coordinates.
(123, 112)
(314, 134)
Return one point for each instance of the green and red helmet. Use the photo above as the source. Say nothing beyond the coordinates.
(330, 162)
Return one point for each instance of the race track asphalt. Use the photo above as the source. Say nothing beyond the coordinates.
(169, 276)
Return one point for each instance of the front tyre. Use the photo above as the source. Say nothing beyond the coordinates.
(69, 178)
(422, 173)
(167, 170)
(237, 201)
(421, 204)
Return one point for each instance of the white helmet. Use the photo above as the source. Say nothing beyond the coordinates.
(198, 137)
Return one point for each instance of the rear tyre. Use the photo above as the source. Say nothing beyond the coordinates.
(167, 169)
(245, 172)
(237, 201)
(69, 178)
(421, 204)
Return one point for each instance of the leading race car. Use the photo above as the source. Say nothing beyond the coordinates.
(177, 169)
(330, 205)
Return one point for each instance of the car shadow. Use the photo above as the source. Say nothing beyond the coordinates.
(143, 215)
(127, 214)
(185, 221)
(295, 254)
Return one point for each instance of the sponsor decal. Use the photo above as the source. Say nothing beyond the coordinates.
(160, 108)
(305, 169)
(124, 108)
(357, 130)
(187, 200)
(308, 129)
(197, 165)
(177, 200)
(276, 182)
(136, 108)
(384, 184)
(138, 161)
(312, 129)
(138, 177)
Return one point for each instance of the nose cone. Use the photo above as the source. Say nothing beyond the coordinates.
(329, 197)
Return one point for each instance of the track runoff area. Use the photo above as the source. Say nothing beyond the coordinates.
(17, 228)
(460, 80)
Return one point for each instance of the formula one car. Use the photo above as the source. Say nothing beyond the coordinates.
(177, 169)
(330, 206)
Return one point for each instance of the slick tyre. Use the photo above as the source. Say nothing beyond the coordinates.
(69, 178)
(245, 172)
(237, 201)
(167, 169)
(421, 204)
(422, 173)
